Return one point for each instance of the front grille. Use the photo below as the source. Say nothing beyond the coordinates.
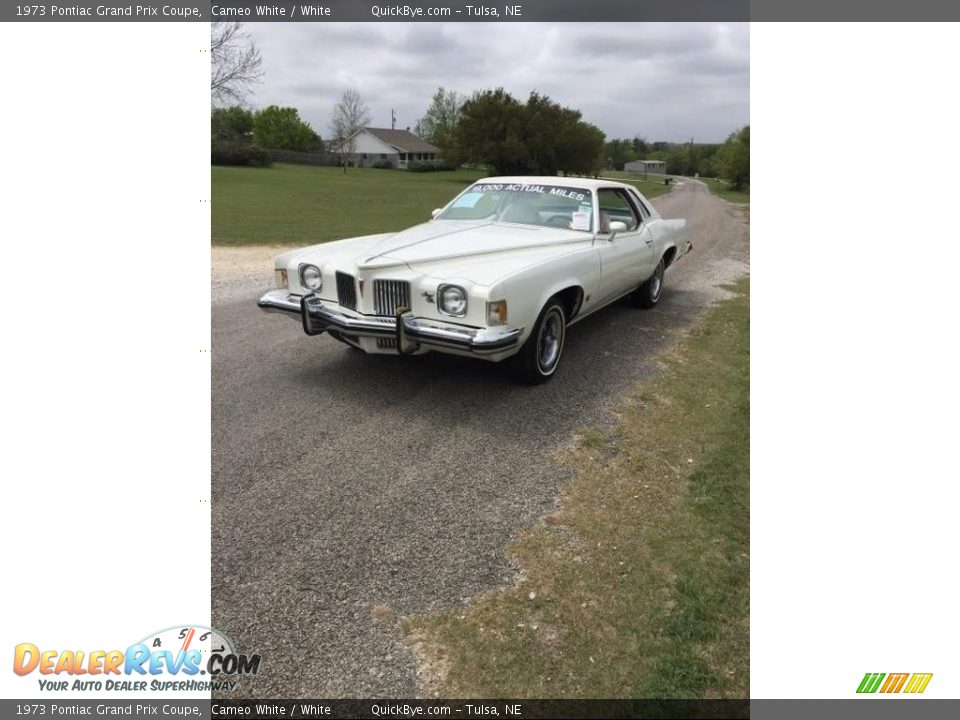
(387, 343)
(346, 291)
(388, 295)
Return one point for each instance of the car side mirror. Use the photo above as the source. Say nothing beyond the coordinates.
(615, 227)
(435, 212)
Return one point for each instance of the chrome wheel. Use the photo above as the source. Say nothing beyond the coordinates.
(540, 355)
(648, 294)
(656, 282)
(550, 340)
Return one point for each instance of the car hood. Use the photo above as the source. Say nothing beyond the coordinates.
(447, 240)
(477, 250)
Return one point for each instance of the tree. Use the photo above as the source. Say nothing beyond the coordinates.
(490, 132)
(234, 62)
(733, 158)
(231, 124)
(536, 138)
(350, 115)
(640, 147)
(581, 146)
(439, 123)
(618, 153)
(543, 121)
(280, 128)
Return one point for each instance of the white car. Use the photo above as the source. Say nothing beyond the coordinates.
(500, 272)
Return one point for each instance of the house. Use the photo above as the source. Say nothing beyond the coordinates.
(658, 167)
(397, 147)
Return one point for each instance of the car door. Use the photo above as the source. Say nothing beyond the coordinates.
(626, 257)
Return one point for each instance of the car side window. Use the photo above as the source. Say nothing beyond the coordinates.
(644, 210)
(616, 205)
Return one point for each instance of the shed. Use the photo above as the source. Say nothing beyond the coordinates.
(643, 167)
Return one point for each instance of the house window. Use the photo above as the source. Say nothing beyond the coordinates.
(383, 156)
(364, 156)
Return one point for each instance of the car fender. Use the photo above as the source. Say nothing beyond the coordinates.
(527, 291)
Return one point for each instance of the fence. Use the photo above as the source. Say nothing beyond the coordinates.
(304, 158)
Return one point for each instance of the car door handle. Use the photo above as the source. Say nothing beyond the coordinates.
(648, 241)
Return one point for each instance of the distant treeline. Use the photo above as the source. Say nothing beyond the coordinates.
(490, 128)
(729, 160)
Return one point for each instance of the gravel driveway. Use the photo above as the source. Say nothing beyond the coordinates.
(350, 490)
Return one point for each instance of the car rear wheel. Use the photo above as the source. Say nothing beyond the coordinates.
(648, 294)
(540, 355)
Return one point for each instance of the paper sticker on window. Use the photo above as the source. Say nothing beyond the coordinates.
(580, 221)
(468, 200)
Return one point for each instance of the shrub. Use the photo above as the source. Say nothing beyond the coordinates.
(383, 165)
(430, 165)
(232, 152)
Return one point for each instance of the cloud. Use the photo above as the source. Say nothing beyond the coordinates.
(664, 81)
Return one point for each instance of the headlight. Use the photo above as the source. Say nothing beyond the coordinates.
(280, 275)
(310, 277)
(452, 300)
(497, 312)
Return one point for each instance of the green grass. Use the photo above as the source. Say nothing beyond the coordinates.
(721, 188)
(639, 585)
(303, 204)
(650, 187)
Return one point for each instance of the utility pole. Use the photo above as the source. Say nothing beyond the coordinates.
(393, 119)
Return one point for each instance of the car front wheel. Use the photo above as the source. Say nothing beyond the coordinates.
(539, 357)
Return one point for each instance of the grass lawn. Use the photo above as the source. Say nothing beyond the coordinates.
(303, 204)
(722, 189)
(639, 585)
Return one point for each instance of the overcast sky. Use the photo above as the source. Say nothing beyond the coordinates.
(661, 81)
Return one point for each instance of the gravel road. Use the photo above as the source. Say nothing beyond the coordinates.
(351, 490)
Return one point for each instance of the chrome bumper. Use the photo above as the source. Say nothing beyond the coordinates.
(410, 332)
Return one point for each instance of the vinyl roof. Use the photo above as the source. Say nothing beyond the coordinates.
(577, 182)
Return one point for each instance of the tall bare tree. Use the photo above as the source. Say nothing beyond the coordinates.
(349, 115)
(234, 63)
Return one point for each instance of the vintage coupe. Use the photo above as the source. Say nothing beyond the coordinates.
(500, 272)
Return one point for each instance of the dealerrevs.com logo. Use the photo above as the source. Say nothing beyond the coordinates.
(894, 683)
(181, 658)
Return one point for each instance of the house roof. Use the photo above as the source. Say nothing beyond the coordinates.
(402, 140)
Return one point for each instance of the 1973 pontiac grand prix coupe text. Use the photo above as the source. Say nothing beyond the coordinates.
(500, 272)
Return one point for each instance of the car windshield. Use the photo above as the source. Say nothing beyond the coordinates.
(553, 206)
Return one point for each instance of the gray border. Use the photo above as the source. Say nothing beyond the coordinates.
(361, 10)
(874, 708)
(532, 10)
(888, 707)
(130, 708)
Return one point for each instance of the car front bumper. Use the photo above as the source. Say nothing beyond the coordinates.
(410, 332)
